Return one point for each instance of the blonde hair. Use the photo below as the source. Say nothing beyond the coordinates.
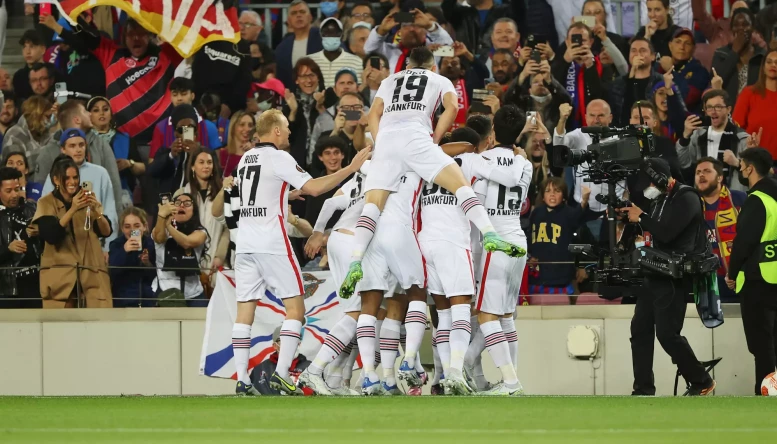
(268, 120)
(134, 211)
(34, 111)
(234, 121)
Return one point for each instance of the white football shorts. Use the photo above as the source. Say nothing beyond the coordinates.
(398, 152)
(256, 273)
(393, 251)
(448, 268)
(500, 282)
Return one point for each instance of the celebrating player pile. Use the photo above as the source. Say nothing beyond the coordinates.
(377, 235)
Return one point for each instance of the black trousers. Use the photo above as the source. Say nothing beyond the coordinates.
(759, 319)
(660, 313)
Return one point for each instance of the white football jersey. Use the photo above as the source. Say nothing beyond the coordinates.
(503, 204)
(441, 216)
(354, 188)
(410, 99)
(263, 178)
(402, 206)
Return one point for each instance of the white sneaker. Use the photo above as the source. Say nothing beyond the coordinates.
(502, 390)
(315, 383)
(457, 385)
(343, 391)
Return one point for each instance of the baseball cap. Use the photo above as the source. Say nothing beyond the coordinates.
(273, 85)
(331, 19)
(347, 71)
(680, 31)
(69, 134)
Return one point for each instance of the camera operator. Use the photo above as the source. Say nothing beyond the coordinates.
(19, 245)
(752, 269)
(676, 224)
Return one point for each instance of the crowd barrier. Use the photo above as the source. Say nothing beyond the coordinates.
(535, 298)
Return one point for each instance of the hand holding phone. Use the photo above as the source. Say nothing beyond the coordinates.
(188, 134)
(135, 236)
(375, 62)
(164, 198)
(86, 186)
(403, 17)
(443, 51)
(352, 115)
(587, 20)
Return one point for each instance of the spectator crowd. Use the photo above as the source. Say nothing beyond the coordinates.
(118, 199)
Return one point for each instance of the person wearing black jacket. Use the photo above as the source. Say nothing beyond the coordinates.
(19, 245)
(579, 71)
(676, 224)
(169, 163)
(739, 57)
(470, 24)
(638, 84)
(233, 64)
(536, 90)
(752, 269)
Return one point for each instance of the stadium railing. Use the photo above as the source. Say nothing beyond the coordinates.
(580, 298)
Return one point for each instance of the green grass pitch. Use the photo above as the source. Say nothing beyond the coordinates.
(391, 420)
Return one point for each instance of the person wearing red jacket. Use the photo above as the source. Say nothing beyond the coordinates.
(136, 75)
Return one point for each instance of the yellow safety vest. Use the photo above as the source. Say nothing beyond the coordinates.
(767, 250)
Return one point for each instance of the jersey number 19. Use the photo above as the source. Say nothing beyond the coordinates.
(415, 84)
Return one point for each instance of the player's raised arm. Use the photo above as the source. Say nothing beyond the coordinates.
(451, 105)
(321, 185)
(373, 118)
(518, 173)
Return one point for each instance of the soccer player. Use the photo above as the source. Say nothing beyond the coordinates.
(445, 244)
(349, 199)
(501, 276)
(264, 259)
(403, 110)
(394, 251)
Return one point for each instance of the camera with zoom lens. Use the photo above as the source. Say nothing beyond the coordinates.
(617, 267)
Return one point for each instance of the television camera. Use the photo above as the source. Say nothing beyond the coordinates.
(614, 155)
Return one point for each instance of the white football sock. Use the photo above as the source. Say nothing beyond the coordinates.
(378, 325)
(335, 376)
(511, 336)
(438, 371)
(389, 345)
(335, 343)
(443, 338)
(365, 229)
(415, 323)
(348, 366)
(290, 337)
(460, 336)
(241, 348)
(500, 353)
(365, 336)
(474, 209)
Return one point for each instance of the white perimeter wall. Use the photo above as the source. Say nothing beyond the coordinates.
(157, 352)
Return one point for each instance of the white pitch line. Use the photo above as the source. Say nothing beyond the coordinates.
(638, 431)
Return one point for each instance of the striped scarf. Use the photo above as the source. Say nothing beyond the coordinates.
(725, 225)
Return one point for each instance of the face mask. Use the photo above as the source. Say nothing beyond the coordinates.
(256, 63)
(264, 106)
(540, 99)
(651, 193)
(639, 244)
(328, 8)
(330, 43)
(536, 158)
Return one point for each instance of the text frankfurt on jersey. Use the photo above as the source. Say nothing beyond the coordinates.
(439, 199)
(253, 212)
(493, 212)
(414, 106)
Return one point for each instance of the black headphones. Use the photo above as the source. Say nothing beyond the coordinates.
(660, 180)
